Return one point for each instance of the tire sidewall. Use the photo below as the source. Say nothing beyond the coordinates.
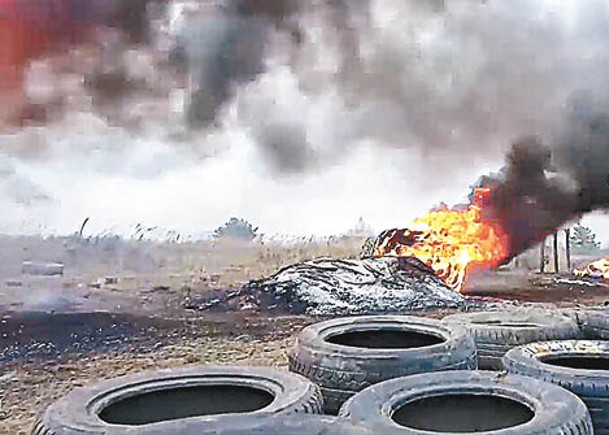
(457, 345)
(528, 360)
(554, 408)
(79, 410)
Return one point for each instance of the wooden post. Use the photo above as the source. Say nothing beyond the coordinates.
(556, 252)
(542, 257)
(568, 248)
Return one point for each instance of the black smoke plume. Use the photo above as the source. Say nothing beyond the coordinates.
(226, 46)
(543, 187)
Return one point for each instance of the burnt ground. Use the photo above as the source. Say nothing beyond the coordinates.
(107, 332)
(45, 356)
(561, 290)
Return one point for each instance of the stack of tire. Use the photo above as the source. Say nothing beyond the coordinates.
(379, 374)
(344, 356)
(580, 366)
(407, 375)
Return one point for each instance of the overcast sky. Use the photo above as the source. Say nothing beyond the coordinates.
(153, 184)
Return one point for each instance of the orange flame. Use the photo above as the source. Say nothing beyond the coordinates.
(451, 242)
(596, 269)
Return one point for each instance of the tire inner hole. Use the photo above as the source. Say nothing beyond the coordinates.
(462, 413)
(177, 403)
(579, 362)
(385, 339)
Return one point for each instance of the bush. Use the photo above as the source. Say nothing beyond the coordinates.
(237, 229)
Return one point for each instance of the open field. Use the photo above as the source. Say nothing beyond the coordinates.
(151, 277)
(55, 329)
(49, 342)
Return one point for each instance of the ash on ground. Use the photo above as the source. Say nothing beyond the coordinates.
(36, 336)
(341, 287)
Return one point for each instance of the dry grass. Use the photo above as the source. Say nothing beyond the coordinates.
(266, 259)
(218, 263)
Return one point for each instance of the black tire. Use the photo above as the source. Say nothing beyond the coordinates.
(468, 402)
(342, 370)
(202, 394)
(496, 332)
(595, 324)
(587, 381)
(300, 424)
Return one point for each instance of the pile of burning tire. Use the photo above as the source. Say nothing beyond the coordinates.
(545, 372)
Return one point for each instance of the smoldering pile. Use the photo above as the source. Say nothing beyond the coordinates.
(342, 287)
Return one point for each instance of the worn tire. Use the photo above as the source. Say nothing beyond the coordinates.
(342, 370)
(595, 324)
(592, 386)
(496, 332)
(260, 391)
(554, 410)
(301, 424)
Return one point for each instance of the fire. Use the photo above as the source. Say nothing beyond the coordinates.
(452, 242)
(597, 269)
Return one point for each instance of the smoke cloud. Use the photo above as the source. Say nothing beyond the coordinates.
(544, 187)
(19, 188)
(452, 81)
(457, 80)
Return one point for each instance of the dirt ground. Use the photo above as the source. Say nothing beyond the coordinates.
(57, 333)
(560, 290)
(119, 308)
